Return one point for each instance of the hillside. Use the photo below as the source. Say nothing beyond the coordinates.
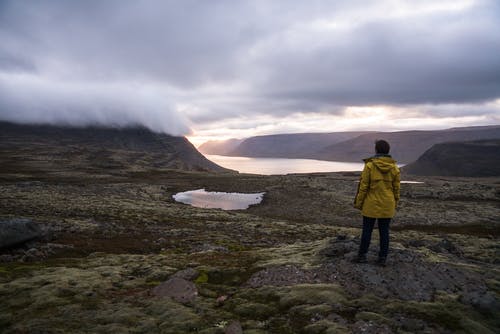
(95, 149)
(297, 145)
(219, 147)
(406, 146)
(475, 158)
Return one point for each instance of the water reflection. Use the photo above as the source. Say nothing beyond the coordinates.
(277, 166)
(218, 200)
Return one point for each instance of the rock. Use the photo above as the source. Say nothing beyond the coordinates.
(486, 302)
(370, 327)
(178, 289)
(234, 328)
(209, 248)
(188, 274)
(281, 276)
(339, 247)
(32, 254)
(417, 243)
(221, 299)
(446, 245)
(6, 258)
(17, 231)
(411, 325)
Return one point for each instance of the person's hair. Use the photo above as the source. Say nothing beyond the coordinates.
(382, 147)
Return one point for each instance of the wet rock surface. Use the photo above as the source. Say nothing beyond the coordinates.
(409, 275)
(121, 256)
(17, 231)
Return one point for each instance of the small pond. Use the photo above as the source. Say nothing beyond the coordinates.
(218, 200)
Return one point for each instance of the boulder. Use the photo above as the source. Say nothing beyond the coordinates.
(178, 289)
(233, 328)
(17, 231)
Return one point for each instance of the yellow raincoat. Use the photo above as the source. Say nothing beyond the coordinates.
(378, 190)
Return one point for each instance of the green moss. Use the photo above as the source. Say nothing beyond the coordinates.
(202, 278)
(265, 295)
(447, 313)
(309, 311)
(5, 319)
(367, 301)
(325, 327)
(232, 246)
(256, 331)
(375, 317)
(493, 284)
(212, 330)
(15, 270)
(256, 311)
(302, 254)
(301, 315)
(311, 294)
(224, 275)
(152, 283)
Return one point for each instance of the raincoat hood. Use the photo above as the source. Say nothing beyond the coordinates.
(384, 163)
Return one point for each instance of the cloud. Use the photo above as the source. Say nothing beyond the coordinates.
(27, 99)
(443, 57)
(174, 64)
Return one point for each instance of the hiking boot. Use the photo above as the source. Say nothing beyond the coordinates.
(361, 259)
(381, 261)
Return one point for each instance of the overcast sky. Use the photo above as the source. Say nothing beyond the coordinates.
(219, 69)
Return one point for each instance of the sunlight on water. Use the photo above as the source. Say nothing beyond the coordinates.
(273, 166)
(218, 200)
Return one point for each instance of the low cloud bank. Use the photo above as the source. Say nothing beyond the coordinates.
(30, 99)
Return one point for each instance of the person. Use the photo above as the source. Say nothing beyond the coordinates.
(377, 198)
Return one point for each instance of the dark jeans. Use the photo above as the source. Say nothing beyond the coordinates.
(383, 230)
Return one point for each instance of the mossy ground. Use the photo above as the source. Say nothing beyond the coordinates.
(129, 236)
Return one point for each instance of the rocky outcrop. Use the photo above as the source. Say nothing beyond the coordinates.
(17, 231)
(178, 289)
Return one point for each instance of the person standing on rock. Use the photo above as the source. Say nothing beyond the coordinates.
(377, 198)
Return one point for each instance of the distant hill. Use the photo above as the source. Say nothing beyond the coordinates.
(219, 147)
(48, 147)
(406, 146)
(297, 145)
(472, 159)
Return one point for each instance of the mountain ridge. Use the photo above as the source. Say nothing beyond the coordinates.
(294, 145)
(97, 148)
(406, 146)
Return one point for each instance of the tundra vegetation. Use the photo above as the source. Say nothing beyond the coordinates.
(118, 255)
